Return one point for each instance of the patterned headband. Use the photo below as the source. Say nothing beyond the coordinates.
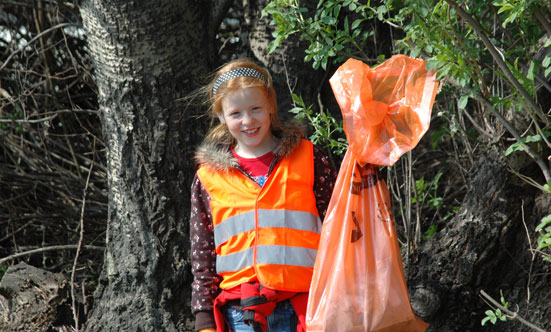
(235, 73)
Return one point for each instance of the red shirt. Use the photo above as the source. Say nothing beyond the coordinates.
(257, 168)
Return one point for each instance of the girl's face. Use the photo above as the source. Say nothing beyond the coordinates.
(246, 112)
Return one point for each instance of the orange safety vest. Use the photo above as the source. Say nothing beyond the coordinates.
(268, 233)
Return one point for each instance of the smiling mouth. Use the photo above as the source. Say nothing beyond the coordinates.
(251, 132)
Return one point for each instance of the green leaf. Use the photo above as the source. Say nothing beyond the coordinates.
(435, 202)
(337, 10)
(432, 64)
(533, 138)
(498, 312)
(444, 70)
(504, 8)
(346, 29)
(381, 10)
(530, 74)
(463, 102)
(274, 44)
(491, 316)
(415, 52)
(316, 63)
(519, 146)
(546, 220)
(356, 23)
(329, 20)
(297, 99)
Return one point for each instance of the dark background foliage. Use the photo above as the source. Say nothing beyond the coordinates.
(50, 139)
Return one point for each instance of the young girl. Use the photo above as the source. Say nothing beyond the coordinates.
(258, 199)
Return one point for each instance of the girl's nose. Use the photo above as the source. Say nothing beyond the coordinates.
(248, 118)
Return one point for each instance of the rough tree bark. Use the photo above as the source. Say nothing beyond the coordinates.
(485, 247)
(32, 299)
(147, 56)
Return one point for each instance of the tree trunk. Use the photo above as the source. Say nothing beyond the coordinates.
(286, 63)
(485, 247)
(147, 56)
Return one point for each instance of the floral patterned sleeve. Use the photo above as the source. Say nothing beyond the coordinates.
(324, 181)
(203, 258)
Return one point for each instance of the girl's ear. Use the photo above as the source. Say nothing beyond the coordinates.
(221, 118)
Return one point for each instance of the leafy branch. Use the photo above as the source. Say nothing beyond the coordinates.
(503, 313)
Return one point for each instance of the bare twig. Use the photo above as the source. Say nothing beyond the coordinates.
(409, 185)
(51, 117)
(62, 25)
(477, 126)
(533, 255)
(16, 231)
(80, 240)
(45, 249)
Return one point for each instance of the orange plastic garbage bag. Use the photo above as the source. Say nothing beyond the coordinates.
(358, 283)
(387, 109)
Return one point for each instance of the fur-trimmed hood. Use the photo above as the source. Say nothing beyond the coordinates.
(219, 157)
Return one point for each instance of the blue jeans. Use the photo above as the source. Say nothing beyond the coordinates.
(282, 319)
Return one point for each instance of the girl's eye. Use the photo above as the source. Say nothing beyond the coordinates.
(234, 114)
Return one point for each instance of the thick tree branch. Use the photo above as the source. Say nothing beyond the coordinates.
(219, 10)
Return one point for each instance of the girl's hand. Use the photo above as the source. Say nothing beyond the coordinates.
(207, 330)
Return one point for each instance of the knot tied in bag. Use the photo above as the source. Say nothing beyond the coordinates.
(386, 109)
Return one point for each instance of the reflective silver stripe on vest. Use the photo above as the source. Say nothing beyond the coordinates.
(233, 226)
(286, 255)
(266, 255)
(235, 261)
(298, 220)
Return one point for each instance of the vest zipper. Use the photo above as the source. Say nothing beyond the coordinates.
(270, 169)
